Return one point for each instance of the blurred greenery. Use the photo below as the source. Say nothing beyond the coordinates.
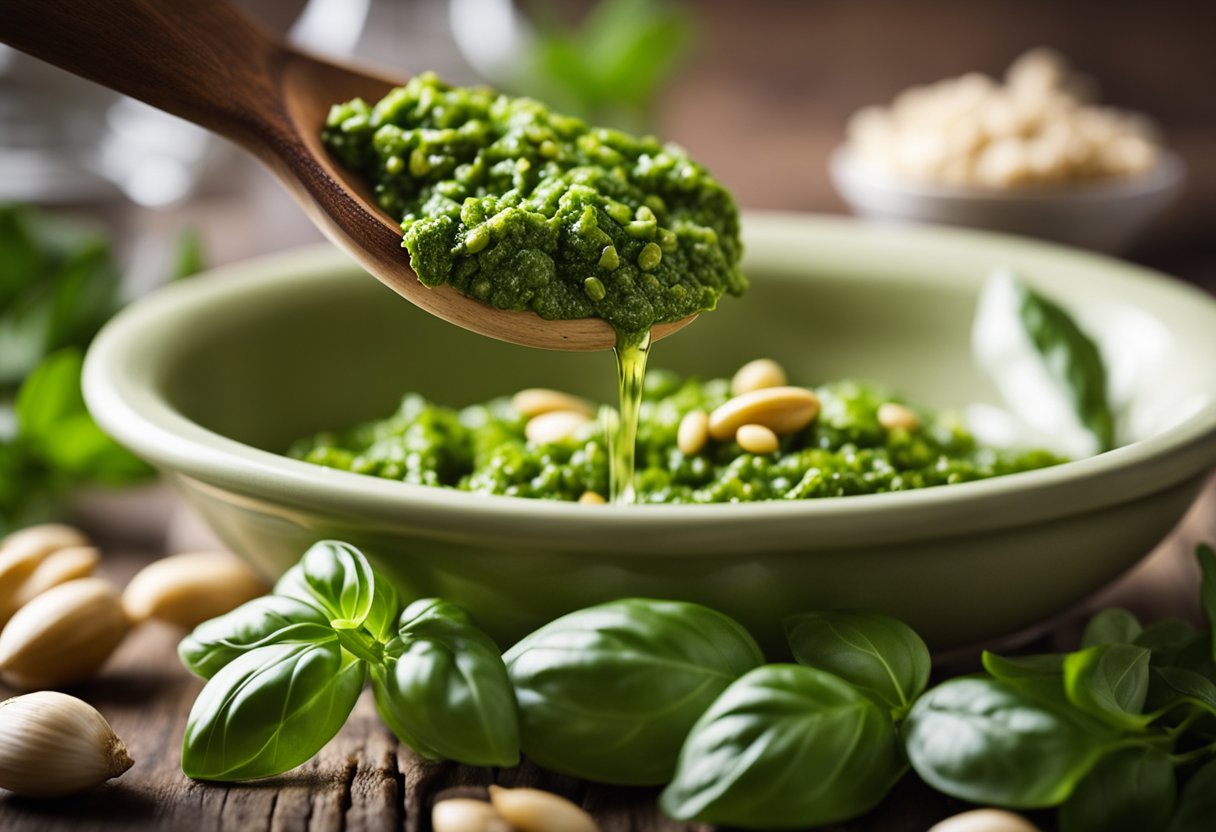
(58, 285)
(611, 68)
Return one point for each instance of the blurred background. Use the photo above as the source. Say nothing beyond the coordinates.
(760, 91)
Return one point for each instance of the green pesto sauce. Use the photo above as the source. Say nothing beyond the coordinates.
(843, 452)
(525, 209)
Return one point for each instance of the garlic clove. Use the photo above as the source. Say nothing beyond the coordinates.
(63, 635)
(57, 568)
(53, 744)
(188, 589)
(22, 552)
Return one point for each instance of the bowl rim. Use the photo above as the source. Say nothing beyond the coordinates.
(846, 165)
(118, 394)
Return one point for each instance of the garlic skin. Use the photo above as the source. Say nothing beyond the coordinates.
(52, 744)
(63, 635)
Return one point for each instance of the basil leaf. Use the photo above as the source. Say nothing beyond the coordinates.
(1169, 635)
(1186, 686)
(271, 619)
(1071, 358)
(337, 577)
(1198, 804)
(1111, 626)
(880, 655)
(1040, 675)
(610, 692)
(1110, 681)
(985, 741)
(785, 746)
(1131, 790)
(443, 689)
(269, 710)
(1207, 587)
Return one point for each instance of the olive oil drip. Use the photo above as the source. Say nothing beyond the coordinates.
(632, 350)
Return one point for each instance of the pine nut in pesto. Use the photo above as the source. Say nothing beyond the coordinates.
(551, 195)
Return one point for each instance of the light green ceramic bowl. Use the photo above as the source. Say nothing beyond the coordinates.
(211, 379)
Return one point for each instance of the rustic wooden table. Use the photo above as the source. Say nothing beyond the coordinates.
(364, 781)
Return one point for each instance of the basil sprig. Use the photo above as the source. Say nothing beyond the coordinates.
(1106, 733)
(284, 672)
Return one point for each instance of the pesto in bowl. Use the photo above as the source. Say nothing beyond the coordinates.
(845, 451)
(522, 208)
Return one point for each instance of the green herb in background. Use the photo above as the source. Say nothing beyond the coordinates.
(611, 69)
(58, 285)
(55, 445)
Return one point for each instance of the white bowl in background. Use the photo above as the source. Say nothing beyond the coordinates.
(1104, 215)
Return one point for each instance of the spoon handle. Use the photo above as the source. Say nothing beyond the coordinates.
(202, 60)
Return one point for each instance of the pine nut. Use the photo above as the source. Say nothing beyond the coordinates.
(756, 439)
(592, 498)
(693, 432)
(892, 416)
(463, 814)
(554, 426)
(535, 401)
(757, 375)
(783, 410)
(533, 810)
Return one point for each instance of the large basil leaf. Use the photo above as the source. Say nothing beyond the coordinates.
(1197, 806)
(610, 692)
(269, 710)
(1131, 790)
(443, 688)
(1071, 358)
(1111, 626)
(336, 577)
(985, 741)
(878, 654)
(785, 746)
(271, 619)
(1110, 681)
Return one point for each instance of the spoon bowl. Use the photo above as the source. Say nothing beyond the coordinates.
(209, 64)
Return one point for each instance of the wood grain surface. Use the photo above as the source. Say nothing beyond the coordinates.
(364, 781)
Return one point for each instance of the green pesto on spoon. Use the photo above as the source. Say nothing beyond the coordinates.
(209, 64)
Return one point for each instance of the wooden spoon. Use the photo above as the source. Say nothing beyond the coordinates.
(208, 63)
